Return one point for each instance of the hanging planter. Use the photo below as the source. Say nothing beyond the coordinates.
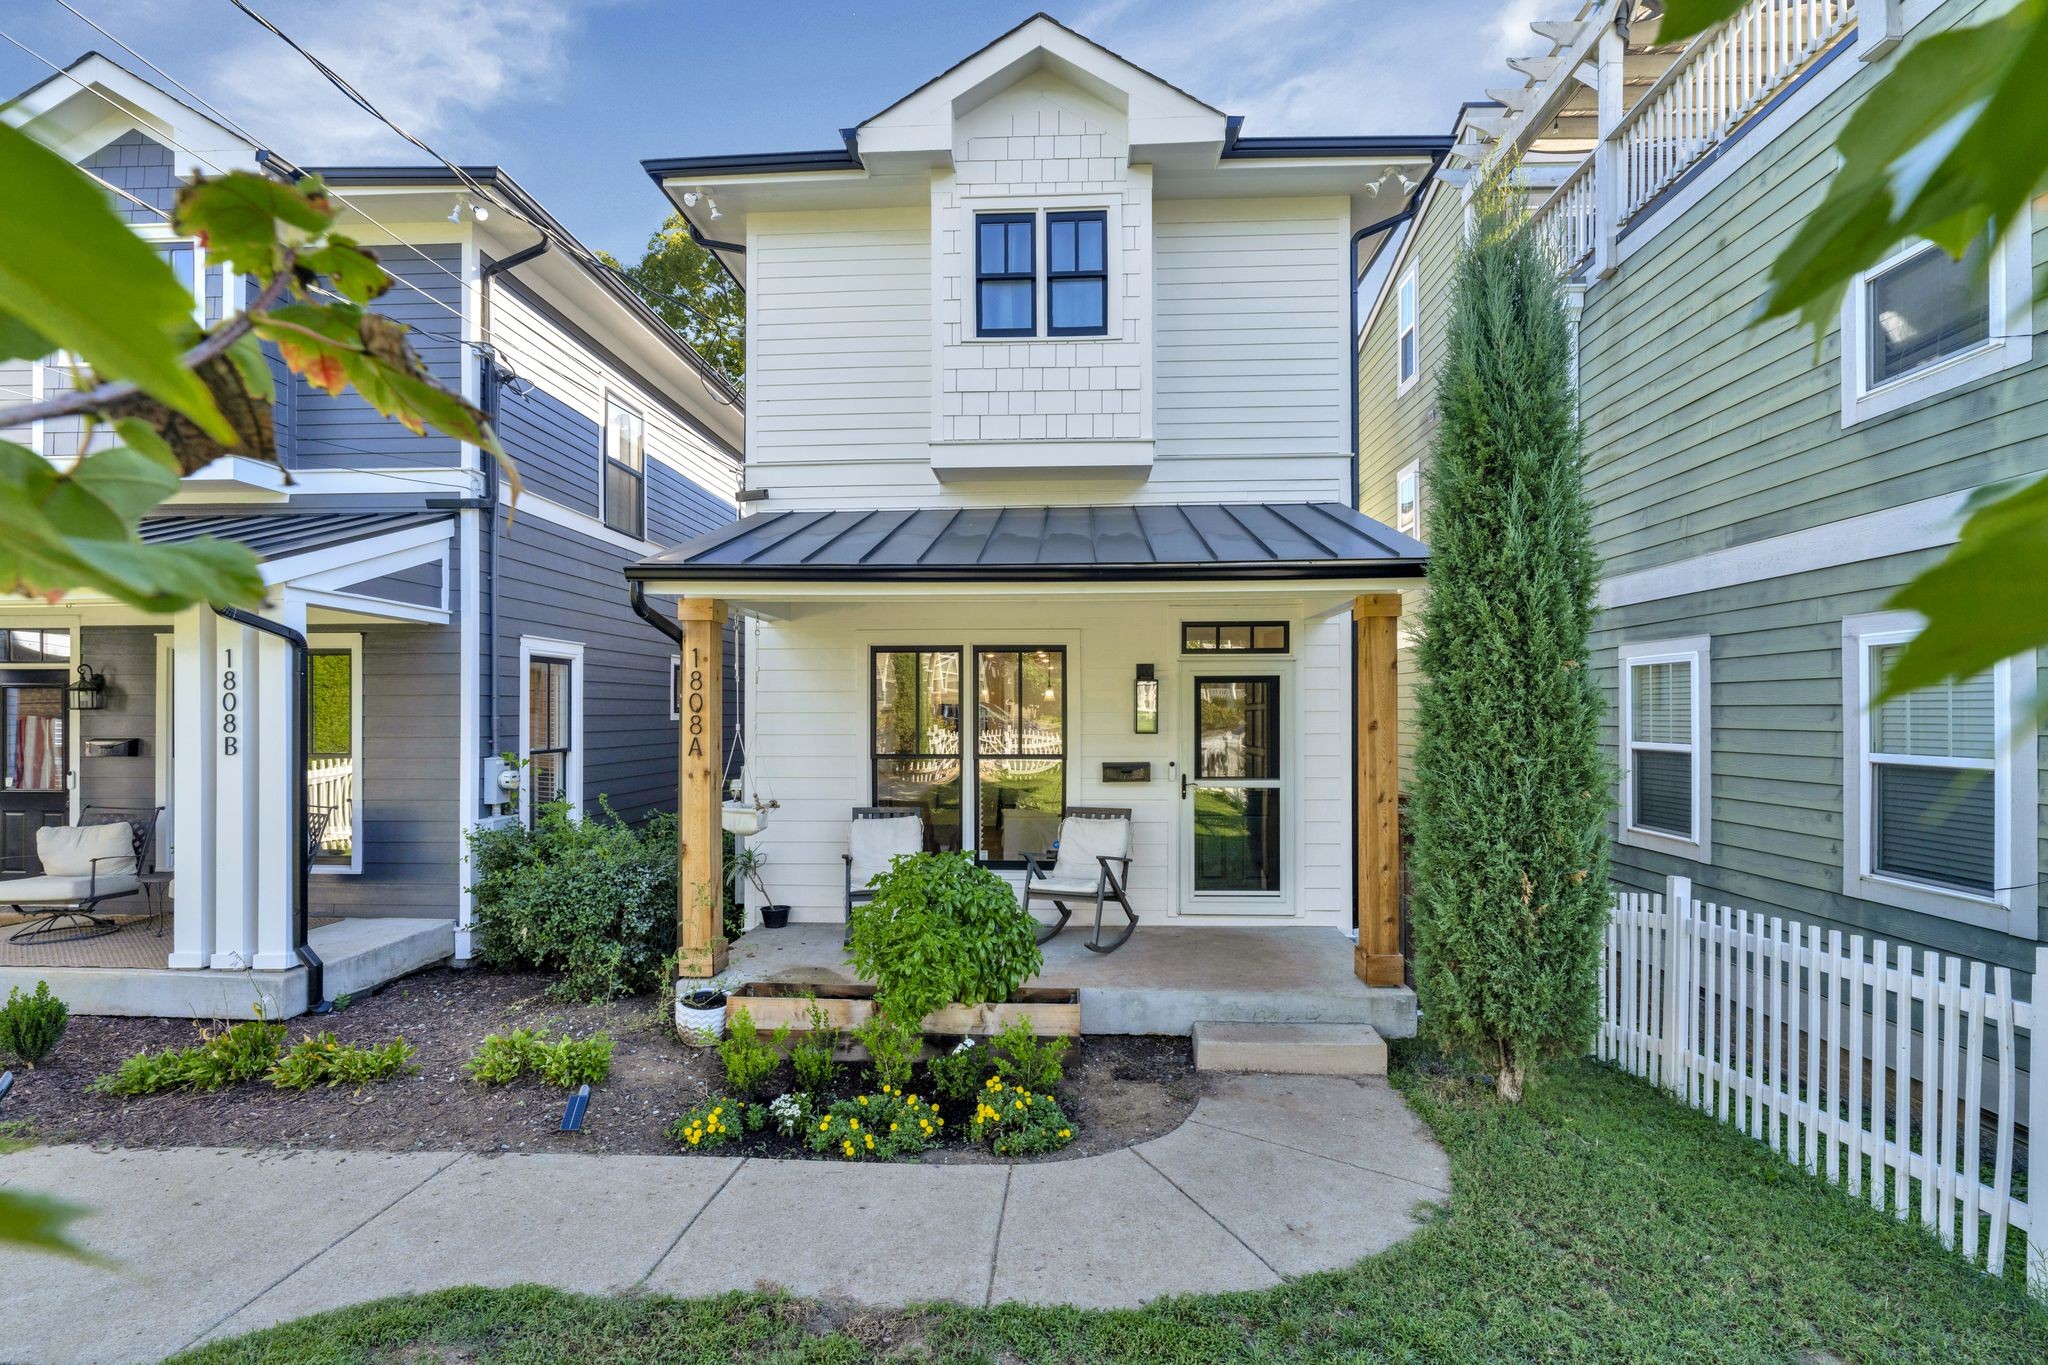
(744, 817)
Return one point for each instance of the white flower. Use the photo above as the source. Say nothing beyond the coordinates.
(965, 1043)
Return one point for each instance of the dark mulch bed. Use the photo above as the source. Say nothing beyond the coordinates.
(1117, 1090)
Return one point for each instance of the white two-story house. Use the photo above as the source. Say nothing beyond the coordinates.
(1051, 490)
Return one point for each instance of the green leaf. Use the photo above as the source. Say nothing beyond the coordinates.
(1977, 611)
(237, 216)
(81, 278)
(19, 341)
(1686, 18)
(353, 271)
(38, 1223)
(246, 354)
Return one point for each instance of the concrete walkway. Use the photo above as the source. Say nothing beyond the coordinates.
(1272, 1176)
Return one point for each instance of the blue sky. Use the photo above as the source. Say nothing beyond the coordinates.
(569, 95)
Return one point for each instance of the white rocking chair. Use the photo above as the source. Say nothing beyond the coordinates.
(1094, 861)
(878, 836)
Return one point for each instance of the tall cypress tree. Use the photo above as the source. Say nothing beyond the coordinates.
(1510, 795)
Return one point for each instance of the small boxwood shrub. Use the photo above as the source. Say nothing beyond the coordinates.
(749, 1062)
(31, 1024)
(1022, 1059)
(958, 1074)
(810, 1058)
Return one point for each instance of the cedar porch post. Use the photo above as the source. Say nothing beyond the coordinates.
(1377, 958)
(700, 839)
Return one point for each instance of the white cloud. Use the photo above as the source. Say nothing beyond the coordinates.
(434, 68)
(1326, 66)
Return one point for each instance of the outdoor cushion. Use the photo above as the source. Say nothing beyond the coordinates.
(69, 850)
(53, 890)
(1053, 886)
(875, 839)
(1083, 840)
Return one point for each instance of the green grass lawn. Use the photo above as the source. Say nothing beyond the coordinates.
(1601, 1221)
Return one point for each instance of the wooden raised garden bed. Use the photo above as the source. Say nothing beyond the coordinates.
(773, 1003)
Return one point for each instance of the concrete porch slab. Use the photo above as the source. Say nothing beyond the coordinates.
(1162, 981)
(358, 953)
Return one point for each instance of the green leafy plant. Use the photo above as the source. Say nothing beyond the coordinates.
(958, 1075)
(880, 1126)
(566, 1062)
(31, 1024)
(325, 1060)
(811, 1058)
(711, 1124)
(749, 1062)
(242, 1052)
(892, 1048)
(592, 900)
(1013, 1120)
(694, 294)
(942, 931)
(1022, 1059)
(791, 1113)
(1510, 789)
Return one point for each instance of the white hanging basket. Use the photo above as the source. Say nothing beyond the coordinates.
(743, 817)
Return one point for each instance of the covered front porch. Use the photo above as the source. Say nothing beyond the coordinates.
(1166, 979)
(1221, 678)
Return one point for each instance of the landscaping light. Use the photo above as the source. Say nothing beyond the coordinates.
(89, 693)
(1148, 700)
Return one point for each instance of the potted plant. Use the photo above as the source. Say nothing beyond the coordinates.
(700, 1013)
(743, 817)
(747, 863)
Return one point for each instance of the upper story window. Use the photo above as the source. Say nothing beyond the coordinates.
(1076, 273)
(1408, 499)
(625, 469)
(1920, 323)
(1665, 751)
(1005, 275)
(1939, 806)
(1408, 338)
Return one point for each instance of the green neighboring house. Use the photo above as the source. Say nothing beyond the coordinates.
(1758, 499)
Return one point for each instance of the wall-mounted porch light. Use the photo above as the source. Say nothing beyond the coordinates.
(1148, 700)
(89, 693)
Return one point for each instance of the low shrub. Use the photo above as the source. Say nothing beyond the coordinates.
(566, 1062)
(811, 1058)
(876, 1127)
(1022, 1059)
(749, 1062)
(325, 1059)
(938, 931)
(591, 899)
(711, 1124)
(241, 1052)
(30, 1025)
(892, 1049)
(1012, 1121)
(958, 1074)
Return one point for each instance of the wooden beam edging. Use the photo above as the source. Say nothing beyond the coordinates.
(700, 798)
(1377, 958)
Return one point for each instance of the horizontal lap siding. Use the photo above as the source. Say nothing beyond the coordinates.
(344, 432)
(126, 657)
(1777, 737)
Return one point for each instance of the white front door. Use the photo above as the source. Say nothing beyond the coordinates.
(1234, 811)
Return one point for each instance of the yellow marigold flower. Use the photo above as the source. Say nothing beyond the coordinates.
(1016, 1104)
(892, 1127)
(849, 1148)
(825, 1125)
(871, 1142)
(863, 1099)
(1066, 1132)
(913, 1099)
(854, 1124)
(693, 1139)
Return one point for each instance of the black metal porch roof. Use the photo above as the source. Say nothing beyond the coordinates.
(988, 544)
(276, 534)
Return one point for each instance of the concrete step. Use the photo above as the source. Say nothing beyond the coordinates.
(1290, 1049)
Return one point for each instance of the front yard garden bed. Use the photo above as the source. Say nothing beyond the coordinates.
(1117, 1090)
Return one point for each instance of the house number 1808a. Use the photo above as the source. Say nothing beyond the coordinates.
(230, 700)
(694, 703)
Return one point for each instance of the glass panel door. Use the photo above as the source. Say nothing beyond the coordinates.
(34, 771)
(1233, 797)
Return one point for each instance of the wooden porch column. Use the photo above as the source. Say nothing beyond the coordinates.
(1377, 958)
(700, 841)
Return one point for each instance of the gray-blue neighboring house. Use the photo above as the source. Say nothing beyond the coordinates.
(444, 625)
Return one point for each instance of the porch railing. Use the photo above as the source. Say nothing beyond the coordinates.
(1718, 83)
(331, 786)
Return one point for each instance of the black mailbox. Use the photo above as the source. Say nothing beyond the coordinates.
(113, 748)
(1127, 772)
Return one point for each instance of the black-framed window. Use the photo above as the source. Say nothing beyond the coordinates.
(549, 732)
(1005, 275)
(915, 707)
(625, 469)
(1020, 749)
(1233, 637)
(35, 646)
(1077, 273)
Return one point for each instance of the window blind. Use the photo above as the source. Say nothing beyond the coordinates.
(1660, 709)
(1935, 825)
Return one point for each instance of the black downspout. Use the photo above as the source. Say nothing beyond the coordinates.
(295, 807)
(653, 617)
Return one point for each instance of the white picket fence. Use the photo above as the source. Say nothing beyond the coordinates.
(1814, 1045)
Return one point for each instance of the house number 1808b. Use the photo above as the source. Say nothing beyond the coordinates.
(230, 699)
(694, 705)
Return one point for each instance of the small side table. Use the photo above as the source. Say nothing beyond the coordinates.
(156, 894)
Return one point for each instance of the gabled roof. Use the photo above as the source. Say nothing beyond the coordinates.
(94, 88)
